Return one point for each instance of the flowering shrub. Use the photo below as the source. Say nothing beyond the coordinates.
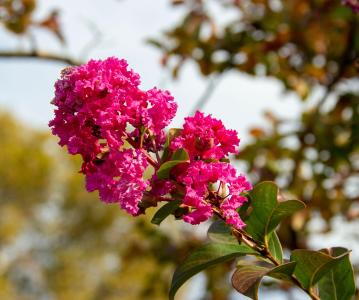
(119, 130)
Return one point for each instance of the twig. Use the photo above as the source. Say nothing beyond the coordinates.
(39, 55)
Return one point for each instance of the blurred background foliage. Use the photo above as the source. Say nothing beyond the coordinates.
(301, 43)
(59, 242)
(308, 45)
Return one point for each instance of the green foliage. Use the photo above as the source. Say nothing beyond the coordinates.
(205, 257)
(338, 283)
(268, 40)
(313, 265)
(18, 17)
(324, 150)
(328, 270)
(69, 244)
(246, 278)
(267, 212)
(266, 37)
(275, 247)
(166, 210)
(21, 149)
(220, 232)
(180, 156)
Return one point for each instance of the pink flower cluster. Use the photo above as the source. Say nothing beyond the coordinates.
(353, 4)
(213, 185)
(99, 106)
(100, 111)
(205, 137)
(119, 179)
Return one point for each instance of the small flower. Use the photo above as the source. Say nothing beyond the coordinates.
(203, 198)
(205, 137)
(161, 187)
(119, 179)
(201, 214)
(162, 110)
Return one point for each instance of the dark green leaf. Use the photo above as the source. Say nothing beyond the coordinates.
(243, 210)
(220, 232)
(338, 283)
(313, 265)
(246, 279)
(164, 171)
(275, 247)
(165, 211)
(267, 211)
(283, 210)
(203, 258)
(264, 200)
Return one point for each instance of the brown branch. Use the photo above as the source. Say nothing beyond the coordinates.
(40, 56)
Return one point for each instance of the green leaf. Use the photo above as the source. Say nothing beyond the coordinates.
(165, 169)
(246, 279)
(267, 212)
(243, 210)
(313, 265)
(180, 156)
(165, 211)
(338, 283)
(283, 210)
(275, 247)
(220, 232)
(283, 272)
(202, 259)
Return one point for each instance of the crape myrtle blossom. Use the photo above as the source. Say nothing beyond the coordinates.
(99, 101)
(96, 104)
(206, 138)
(202, 195)
(101, 112)
(119, 179)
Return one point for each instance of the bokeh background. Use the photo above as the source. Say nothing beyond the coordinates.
(284, 74)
